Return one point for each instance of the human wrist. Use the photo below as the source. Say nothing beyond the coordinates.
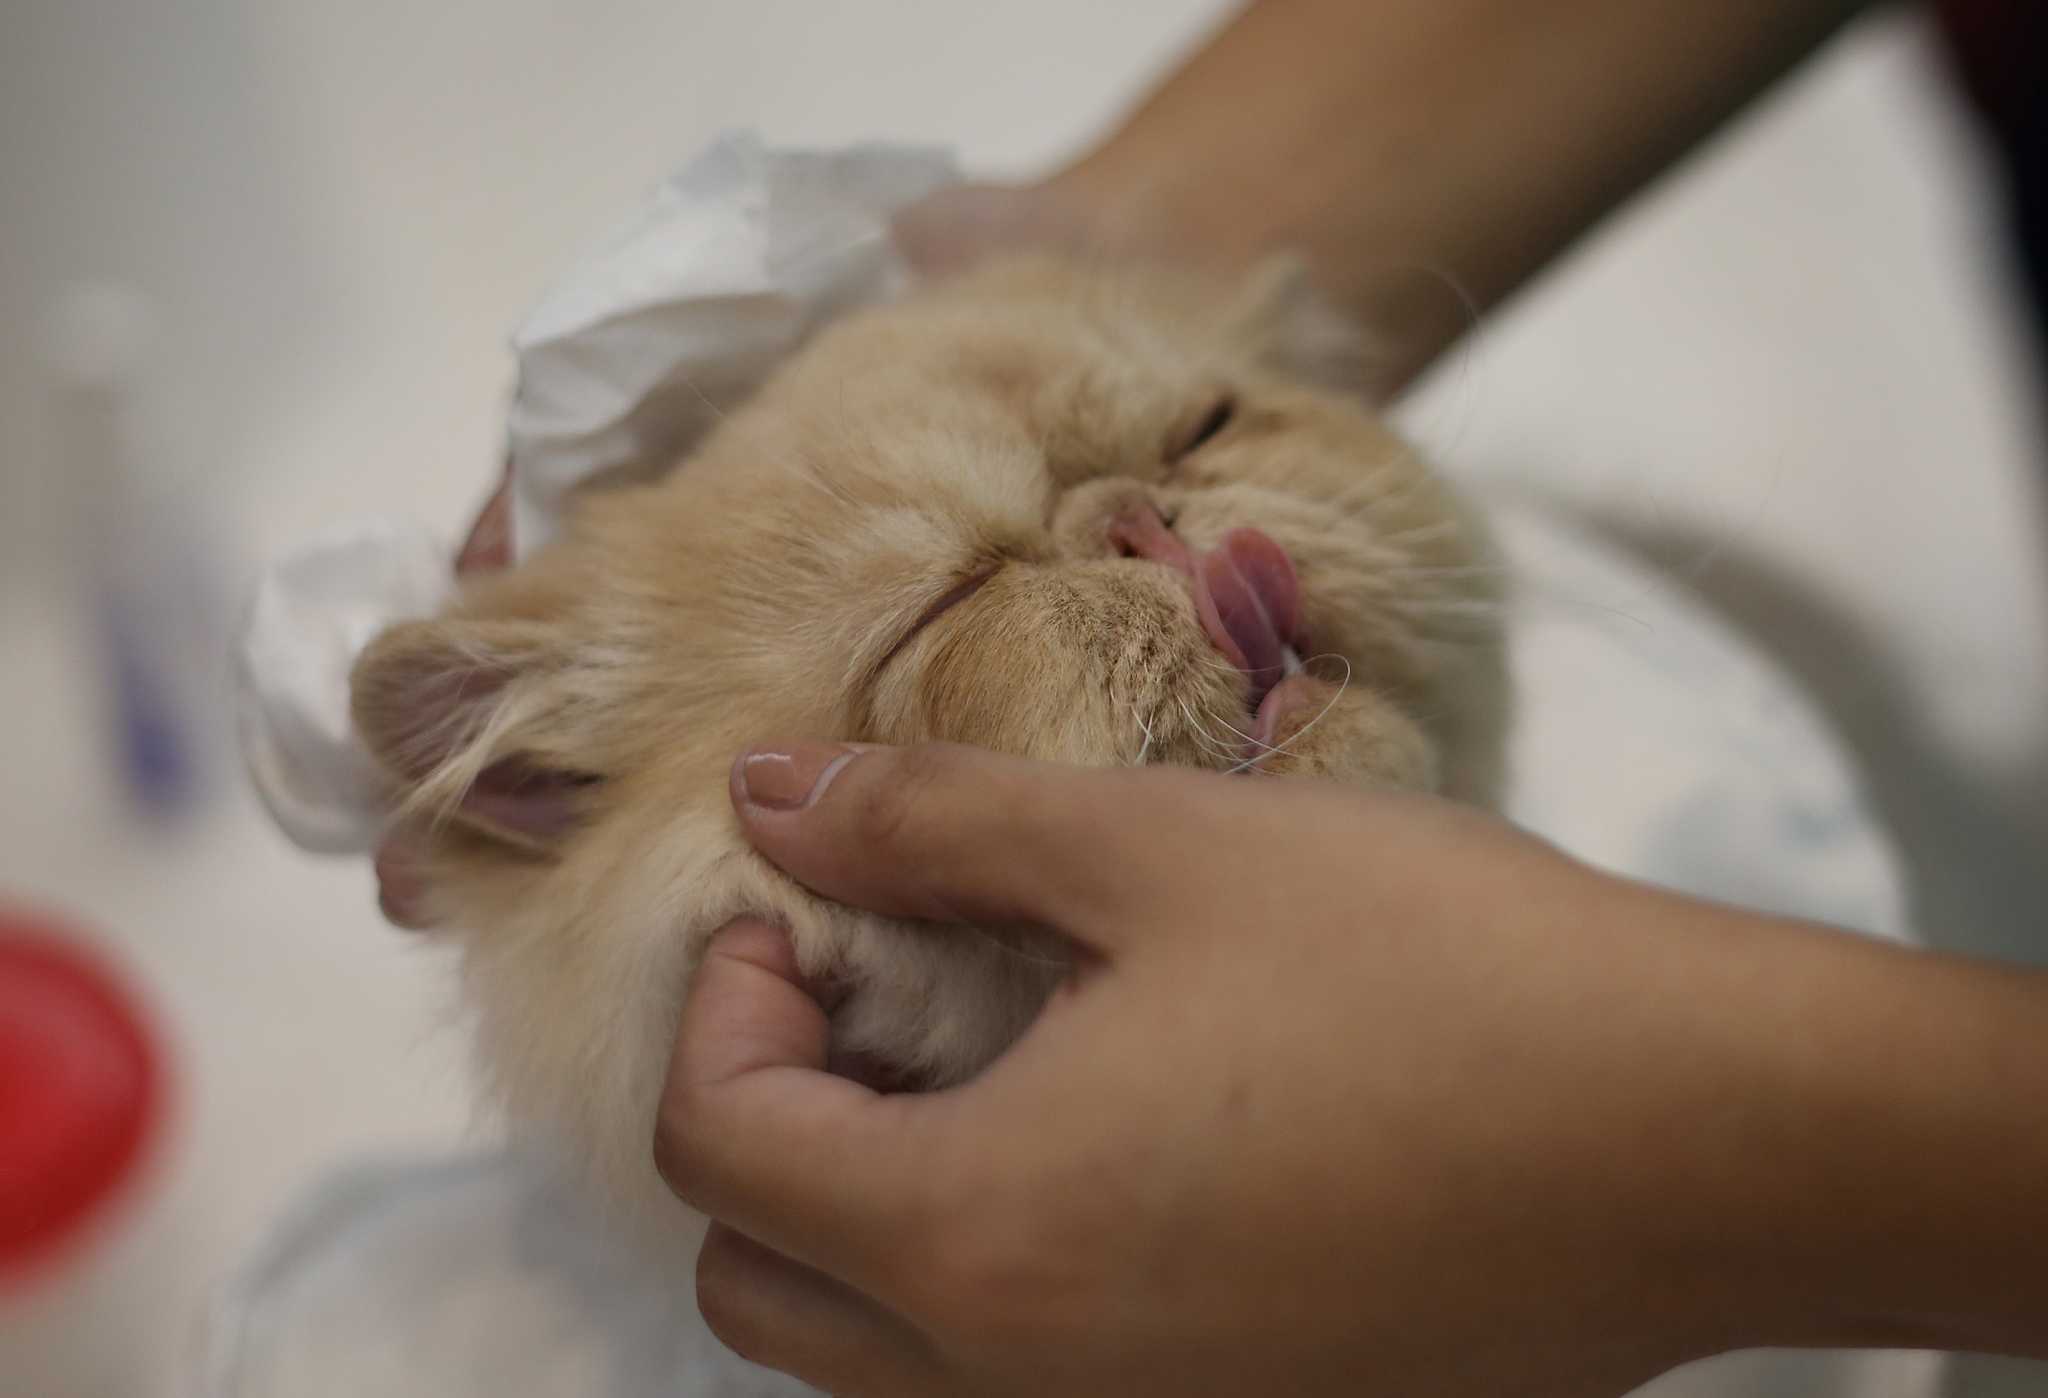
(1872, 1167)
(1126, 207)
(1950, 1129)
(1142, 195)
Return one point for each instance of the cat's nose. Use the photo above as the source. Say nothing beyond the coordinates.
(1115, 517)
(1141, 531)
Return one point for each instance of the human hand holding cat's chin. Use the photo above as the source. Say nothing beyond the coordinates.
(1360, 1094)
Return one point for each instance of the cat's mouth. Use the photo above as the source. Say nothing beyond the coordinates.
(1248, 599)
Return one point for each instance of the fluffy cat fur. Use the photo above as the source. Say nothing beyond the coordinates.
(568, 725)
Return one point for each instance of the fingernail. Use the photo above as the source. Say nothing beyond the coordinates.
(791, 778)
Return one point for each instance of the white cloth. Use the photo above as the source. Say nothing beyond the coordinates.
(312, 614)
(727, 268)
(731, 263)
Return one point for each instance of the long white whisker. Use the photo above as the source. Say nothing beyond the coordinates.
(1207, 741)
(1343, 685)
(1210, 744)
(1253, 761)
(1417, 572)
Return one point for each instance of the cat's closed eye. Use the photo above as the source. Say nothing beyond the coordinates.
(944, 603)
(1207, 428)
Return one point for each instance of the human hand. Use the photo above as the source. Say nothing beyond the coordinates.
(1360, 1094)
(487, 548)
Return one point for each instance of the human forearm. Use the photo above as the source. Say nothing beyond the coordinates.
(1403, 144)
(1866, 1158)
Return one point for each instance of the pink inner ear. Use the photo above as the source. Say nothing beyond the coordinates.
(525, 800)
(427, 691)
(416, 708)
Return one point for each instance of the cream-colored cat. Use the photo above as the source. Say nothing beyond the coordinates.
(1089, 514)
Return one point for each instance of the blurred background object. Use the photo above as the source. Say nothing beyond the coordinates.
(1797, 373)
(85, 1235)
(130, 528)
(476, 1277)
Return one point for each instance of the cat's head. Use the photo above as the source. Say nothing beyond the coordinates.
(1081, 513)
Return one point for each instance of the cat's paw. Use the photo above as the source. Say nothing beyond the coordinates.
(918, 1006)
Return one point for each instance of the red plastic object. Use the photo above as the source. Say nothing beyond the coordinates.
(81, 1090)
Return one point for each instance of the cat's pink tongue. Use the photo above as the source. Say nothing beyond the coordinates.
(1250, 604)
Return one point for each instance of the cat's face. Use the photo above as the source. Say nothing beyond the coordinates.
(1081, 514)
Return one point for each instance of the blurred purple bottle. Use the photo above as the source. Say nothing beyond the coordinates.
(136, 550)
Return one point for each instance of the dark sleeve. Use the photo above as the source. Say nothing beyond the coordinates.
(2001, 52)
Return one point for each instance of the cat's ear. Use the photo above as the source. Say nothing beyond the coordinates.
(478, 721)
(1298, 332)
